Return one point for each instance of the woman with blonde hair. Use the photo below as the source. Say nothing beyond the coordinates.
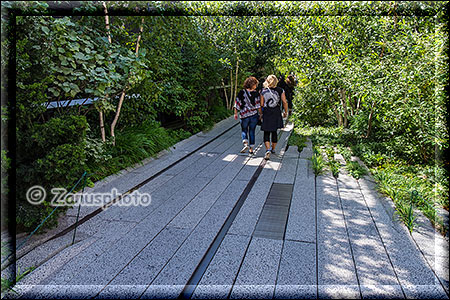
(272, 119)
(248, 104)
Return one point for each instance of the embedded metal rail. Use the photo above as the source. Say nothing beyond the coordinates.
(193, 282)
(115, 200)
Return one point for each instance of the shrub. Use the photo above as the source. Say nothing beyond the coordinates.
(52, 156)
(296, 139)
(317, 161)
(355, 169)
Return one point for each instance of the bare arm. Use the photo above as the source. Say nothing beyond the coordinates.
(235, 110)
(285, 105)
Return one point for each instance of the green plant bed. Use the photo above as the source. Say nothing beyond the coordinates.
(410, 186)
(133, 145)
(355, 169)
(317, 161)
(296, 139)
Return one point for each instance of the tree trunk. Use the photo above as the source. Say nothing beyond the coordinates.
(358, 105)
(369, 122)
(236, 84)
(102, 125)
(100, 111)
(122, 96)
(338, 115)
(226, 94)
(344, 106)
(107, 22)
(231, 87)
(352, 102)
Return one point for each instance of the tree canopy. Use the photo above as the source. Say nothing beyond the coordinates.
(375, 68)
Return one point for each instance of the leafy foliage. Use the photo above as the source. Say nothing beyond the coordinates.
(298, 140)
(317, 161)
(53, 155)
(410, 186)
(355, 169)
(375, 71)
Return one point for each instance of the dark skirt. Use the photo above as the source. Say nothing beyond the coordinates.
(272, 119)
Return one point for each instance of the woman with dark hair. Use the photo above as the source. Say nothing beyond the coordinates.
(288, 85)
(271, 99)
(248, 105)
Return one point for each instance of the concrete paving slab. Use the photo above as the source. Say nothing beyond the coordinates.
(106, 266)
(301, 224)
(218, 165)
(46, 251)
(144, 268)
(122, 291)
(258, 273)
(171, 207)
(372, 263)
(181, 266)
(63, 292)
(286, 173)
(247, 217)
(339, 292)
(132, 179)
(297, 271)
(252, 291)
(186, 163)
(249, 169)
(155, 254)
(53, 265)
(106, 229)
(196, 209)
(179, 269)
(127, 179)
(296, 292)
(328, 204)
(112, 260)
(435, 248)
(138, 213)
(152, 186)
(183, 263)
(218, 279)
(382, 292)
(162, 291)
(408, 261)
(335, 261)
(307, 151)
(424, 292)
(371, 260)
(220, 210)
(79, 263)
(291, 152)
(212, 291)
(335, 264)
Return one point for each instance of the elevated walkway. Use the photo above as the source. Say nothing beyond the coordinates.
(294, 236)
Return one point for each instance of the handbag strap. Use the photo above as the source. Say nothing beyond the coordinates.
(249, 96)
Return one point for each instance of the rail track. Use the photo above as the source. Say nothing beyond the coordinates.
(197, 274)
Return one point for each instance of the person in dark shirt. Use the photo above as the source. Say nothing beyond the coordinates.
(288, 85)
(272, 97)
(248, 105)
